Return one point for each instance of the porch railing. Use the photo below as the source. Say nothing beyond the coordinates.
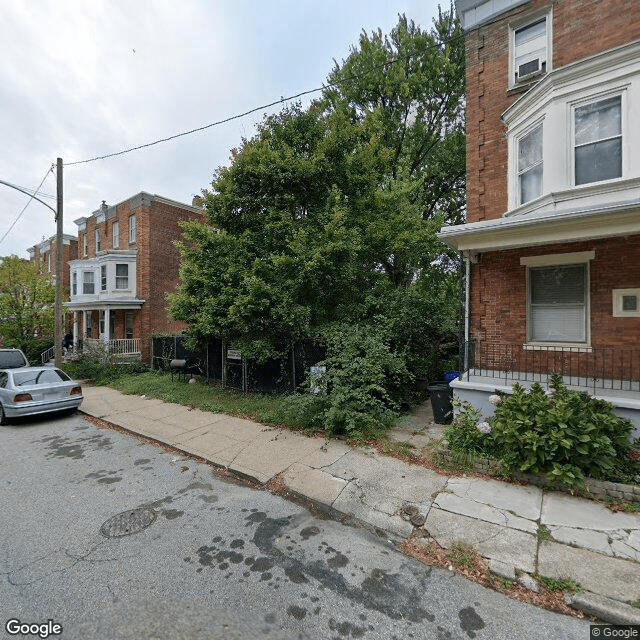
(595, 368)
(121, 346)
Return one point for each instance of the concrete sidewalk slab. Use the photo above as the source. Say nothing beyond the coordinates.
(481, 511)
(609, 577)
(496, 542)
(313, 483)
(524, 502)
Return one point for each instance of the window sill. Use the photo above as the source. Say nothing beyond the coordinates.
(570, 347)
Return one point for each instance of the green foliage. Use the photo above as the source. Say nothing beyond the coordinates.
(463, 555)
(543, 533)
(33, 348)
(561, 584)
(324, 226)
(464, 437)
(27, 297)
(636, 603)
(565, 434)
(101, 367)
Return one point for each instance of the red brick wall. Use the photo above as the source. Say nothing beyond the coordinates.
(580, 28)
(498, 284)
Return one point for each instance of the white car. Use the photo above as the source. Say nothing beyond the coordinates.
(28, 391)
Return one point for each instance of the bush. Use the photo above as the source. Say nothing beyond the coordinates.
(101, 367)
(469, 435)
(565, 434)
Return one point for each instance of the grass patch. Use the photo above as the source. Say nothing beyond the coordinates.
(404, 449)
(543, 533)
(636, 604)
(463, 555)
(255, 406)
(621, 505)
(560, 584)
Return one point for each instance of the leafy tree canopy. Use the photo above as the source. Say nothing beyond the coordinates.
(328, 216)
(27, 299)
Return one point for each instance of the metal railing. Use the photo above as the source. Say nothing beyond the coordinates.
(591, 367)
(48, 355)
(120, 346)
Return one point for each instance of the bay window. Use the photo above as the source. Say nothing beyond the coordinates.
(122, 276)
(530, 165)
(598, 141)
(87, 282)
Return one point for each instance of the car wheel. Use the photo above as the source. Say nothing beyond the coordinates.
(3, 417)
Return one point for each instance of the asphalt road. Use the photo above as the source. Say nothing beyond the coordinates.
(110, 537)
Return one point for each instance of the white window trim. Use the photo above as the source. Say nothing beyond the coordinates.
(515, 155)
(530, 19)
(133, 229)
(618, 295)
(583, 102)
(115, 235)
(557, 260)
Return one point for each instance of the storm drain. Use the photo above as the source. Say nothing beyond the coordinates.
(127, 523)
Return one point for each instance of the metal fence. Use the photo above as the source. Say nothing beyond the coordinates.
(597, 367)
(221, 362)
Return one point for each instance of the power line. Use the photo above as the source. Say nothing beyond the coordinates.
(384, 65)
(13, 224)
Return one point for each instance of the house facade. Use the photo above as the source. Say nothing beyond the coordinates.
(45, 253)
(552, 241)
(125, 265)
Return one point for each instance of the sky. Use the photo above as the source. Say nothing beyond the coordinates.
(85, 79)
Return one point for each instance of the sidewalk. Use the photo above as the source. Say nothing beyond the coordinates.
(589, 543)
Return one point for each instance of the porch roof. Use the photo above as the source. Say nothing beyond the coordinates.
(104, 304)
(545, 226)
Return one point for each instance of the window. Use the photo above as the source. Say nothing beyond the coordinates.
(128, 325)
(85, 244)
(115, 230)
(97, 240)
(88, 317)
(558, 303)
(529, 50)
(103, 277)
(132, 229)
(530, 165)
(598, 141)
(87, 282)
(102, 319)
(122, 276)
(74, 283)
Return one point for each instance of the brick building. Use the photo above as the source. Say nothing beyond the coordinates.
(45, 254)
(552, 240)
(125, 266)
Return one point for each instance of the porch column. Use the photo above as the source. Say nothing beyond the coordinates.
(84, 324)
(107, 326)
(75, 330)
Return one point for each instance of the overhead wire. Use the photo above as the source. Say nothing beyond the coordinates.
(384, 65)
(13, 224)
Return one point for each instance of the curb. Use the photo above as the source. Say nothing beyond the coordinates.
(605, 609)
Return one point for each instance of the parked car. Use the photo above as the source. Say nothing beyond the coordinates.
(29, 391)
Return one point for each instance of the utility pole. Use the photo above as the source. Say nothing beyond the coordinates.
(58, 302)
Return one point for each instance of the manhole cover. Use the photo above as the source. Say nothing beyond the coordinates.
(124, 524)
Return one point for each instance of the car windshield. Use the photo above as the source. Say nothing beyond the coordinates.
(12, 360)
(38, 376)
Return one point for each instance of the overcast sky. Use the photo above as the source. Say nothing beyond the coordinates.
(82, 79)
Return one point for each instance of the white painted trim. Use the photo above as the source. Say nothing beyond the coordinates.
(569, 347)
(617, 295)
(557, 259)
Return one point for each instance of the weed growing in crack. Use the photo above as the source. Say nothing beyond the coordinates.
(560, 584)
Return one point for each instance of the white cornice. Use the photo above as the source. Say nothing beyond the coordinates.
(521, 231)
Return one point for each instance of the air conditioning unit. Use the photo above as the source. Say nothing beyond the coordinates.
(530, 68)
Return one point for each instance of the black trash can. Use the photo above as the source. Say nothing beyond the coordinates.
(441, 395)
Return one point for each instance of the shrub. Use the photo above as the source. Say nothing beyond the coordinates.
(101, 367)
(468, 434)
(565, 434)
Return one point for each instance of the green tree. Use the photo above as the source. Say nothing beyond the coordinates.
(327, 218)
(27, 297)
